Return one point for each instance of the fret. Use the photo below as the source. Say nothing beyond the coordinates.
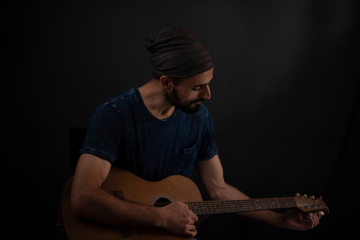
(232, 206)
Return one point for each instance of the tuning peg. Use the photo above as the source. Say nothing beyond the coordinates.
(312, 197)
(322, 213)
(297, 195)
(305, 196)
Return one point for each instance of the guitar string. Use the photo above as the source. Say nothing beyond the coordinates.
(239, 205)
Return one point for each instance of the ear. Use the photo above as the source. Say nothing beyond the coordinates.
(166, 83)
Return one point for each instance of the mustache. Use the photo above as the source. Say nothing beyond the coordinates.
(198, 100)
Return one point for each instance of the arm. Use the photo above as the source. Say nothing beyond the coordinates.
(211, 173)
(90, 201)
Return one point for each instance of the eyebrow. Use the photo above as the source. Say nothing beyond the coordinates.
(200, 85)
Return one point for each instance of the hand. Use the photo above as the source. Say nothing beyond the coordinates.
(298, 220)
(179, 219)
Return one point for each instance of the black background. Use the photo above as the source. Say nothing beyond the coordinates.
(285, 99)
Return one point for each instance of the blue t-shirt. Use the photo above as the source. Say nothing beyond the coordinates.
(126, 134)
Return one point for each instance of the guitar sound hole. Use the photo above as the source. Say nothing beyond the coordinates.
(162, 202)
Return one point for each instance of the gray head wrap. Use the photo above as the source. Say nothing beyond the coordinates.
(177, 53)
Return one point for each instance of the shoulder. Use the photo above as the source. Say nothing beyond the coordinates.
(124, 100)
(119, 104)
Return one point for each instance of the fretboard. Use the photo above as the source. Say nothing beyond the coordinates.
(233, 206)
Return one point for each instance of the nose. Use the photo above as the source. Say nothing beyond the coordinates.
(206, 93)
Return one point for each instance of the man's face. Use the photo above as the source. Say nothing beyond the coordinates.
(191, 92)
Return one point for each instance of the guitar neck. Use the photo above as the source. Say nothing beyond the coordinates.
(233, 206)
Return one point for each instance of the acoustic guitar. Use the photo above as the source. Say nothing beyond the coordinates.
(129, 187)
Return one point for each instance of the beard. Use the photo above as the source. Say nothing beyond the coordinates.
(190, 107)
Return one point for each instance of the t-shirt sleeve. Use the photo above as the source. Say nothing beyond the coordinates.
(103, 134)
(208, 147)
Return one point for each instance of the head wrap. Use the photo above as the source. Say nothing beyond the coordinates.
(177, 53)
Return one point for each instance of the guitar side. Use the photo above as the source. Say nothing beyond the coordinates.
(134, 189)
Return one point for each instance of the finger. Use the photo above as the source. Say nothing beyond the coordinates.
(314, 220)
(189, 230)
(192, 230)
(308, 219)
(317, 219)
(193, 216)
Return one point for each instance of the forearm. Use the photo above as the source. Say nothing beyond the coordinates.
(211, 173)
(100, 206)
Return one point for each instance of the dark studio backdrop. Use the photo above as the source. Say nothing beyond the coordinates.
(285, 99)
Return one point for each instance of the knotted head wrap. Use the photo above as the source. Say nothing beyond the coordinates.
(177, 53)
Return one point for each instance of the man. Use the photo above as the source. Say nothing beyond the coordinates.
(158, 130)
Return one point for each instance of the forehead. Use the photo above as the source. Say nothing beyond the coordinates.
(199, 79)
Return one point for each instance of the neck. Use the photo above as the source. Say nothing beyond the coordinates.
(155, 101)
(235, 206)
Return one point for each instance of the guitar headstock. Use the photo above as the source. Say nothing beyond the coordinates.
(310, 204)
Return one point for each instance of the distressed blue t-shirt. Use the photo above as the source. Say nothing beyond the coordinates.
(126, 134)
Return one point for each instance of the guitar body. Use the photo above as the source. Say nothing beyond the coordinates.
(131, 188)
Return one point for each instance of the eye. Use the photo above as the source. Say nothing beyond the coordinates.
(197, 88)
